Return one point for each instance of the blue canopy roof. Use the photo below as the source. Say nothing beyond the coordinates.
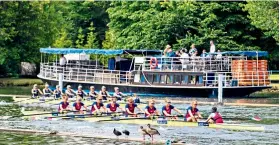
(245, 53)
(74, 50)
(97, 51)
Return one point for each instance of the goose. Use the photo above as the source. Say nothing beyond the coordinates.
(117, 133)
(144, 132)
(152, 131)
(126, 133)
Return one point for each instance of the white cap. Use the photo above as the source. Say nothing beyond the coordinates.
(68, 86)
(103, 87)
(92, 87)
(35, 85)
(80, 86)
(116, 88)
(46, 85)
(57, 86)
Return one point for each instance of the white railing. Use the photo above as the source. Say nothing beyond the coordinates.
(192, 64)
(231, 79)
(85, 74)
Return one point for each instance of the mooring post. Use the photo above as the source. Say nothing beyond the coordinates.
(220, 88)
(60, 81)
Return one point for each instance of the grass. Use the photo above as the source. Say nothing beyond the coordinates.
(16, 90)
(274, 77)
(19, 81)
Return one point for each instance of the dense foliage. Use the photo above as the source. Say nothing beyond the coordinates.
(27, 26)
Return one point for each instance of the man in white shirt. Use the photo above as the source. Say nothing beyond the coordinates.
(212, 47)
(62, 60)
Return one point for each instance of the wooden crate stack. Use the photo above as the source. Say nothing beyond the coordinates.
(250, 72)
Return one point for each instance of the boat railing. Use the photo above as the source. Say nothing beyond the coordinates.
(85, 74)
(190, 64)
(232, 79)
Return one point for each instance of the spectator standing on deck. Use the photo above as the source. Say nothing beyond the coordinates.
(212, 47)
(62, 61)
(203, 54)
(168, 51)
(192, 50)
(184, 58)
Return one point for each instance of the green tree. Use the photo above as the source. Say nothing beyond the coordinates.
(265, 15)
(80, 39)
(91, 38)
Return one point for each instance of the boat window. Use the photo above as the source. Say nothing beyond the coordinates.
(177, 79)
(156, 78)
(192, 80)
(185, 79)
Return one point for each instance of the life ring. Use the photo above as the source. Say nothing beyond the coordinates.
(153, 63)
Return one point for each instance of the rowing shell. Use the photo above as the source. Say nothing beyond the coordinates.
(170, 123)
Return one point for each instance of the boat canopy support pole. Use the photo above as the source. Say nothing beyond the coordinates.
(60, 83)
(220, 88)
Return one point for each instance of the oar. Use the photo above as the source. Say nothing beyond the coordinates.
(23, 100)
(53, 113)
(119, 119)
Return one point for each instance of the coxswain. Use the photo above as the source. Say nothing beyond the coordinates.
(92, 94)
(78, 105)
(104, 93)
(215, 117)
(57, 92)
(80, 92)
(64, 105)
(119, 95)
(193, 114)
(166, 109)
(150, 109)
(35, 91)
(130, 107)
(113, 106)
(47, 91)
(136, 98)
(69, 92)
(96, 106)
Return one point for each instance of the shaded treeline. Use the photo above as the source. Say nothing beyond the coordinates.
(27, 26)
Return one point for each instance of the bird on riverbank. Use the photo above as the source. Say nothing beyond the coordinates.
(117, 133)
(126, 133)
(144, 132)
(152, 131)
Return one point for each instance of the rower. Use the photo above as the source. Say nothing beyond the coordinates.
(92, 94)
(57, 92)
(193, 114)
(215, 117)
(130, 106)
(118, 94)
(113, 106)
(150, 109)
(77, 106)
(104, 93)
(35, 91)
(80, 92)
(47, 91)
(95, 108)
(69, 92)
(166, 110)
(64, 105)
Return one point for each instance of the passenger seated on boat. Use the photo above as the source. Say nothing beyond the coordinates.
(80, 92)
(35, 91)
(69, 92)
(136, 98)
(47, 91)
(64, 105)
(215, 117)
(104, 93)
(92, 94)
(113, 106)
(193, 114)
(96, 106)
(78, 105)
(130, 108)
(166, 110)
(118, 94)
(57, 92)
(151, 110)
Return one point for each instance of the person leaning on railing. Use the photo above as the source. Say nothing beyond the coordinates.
(168, 52)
